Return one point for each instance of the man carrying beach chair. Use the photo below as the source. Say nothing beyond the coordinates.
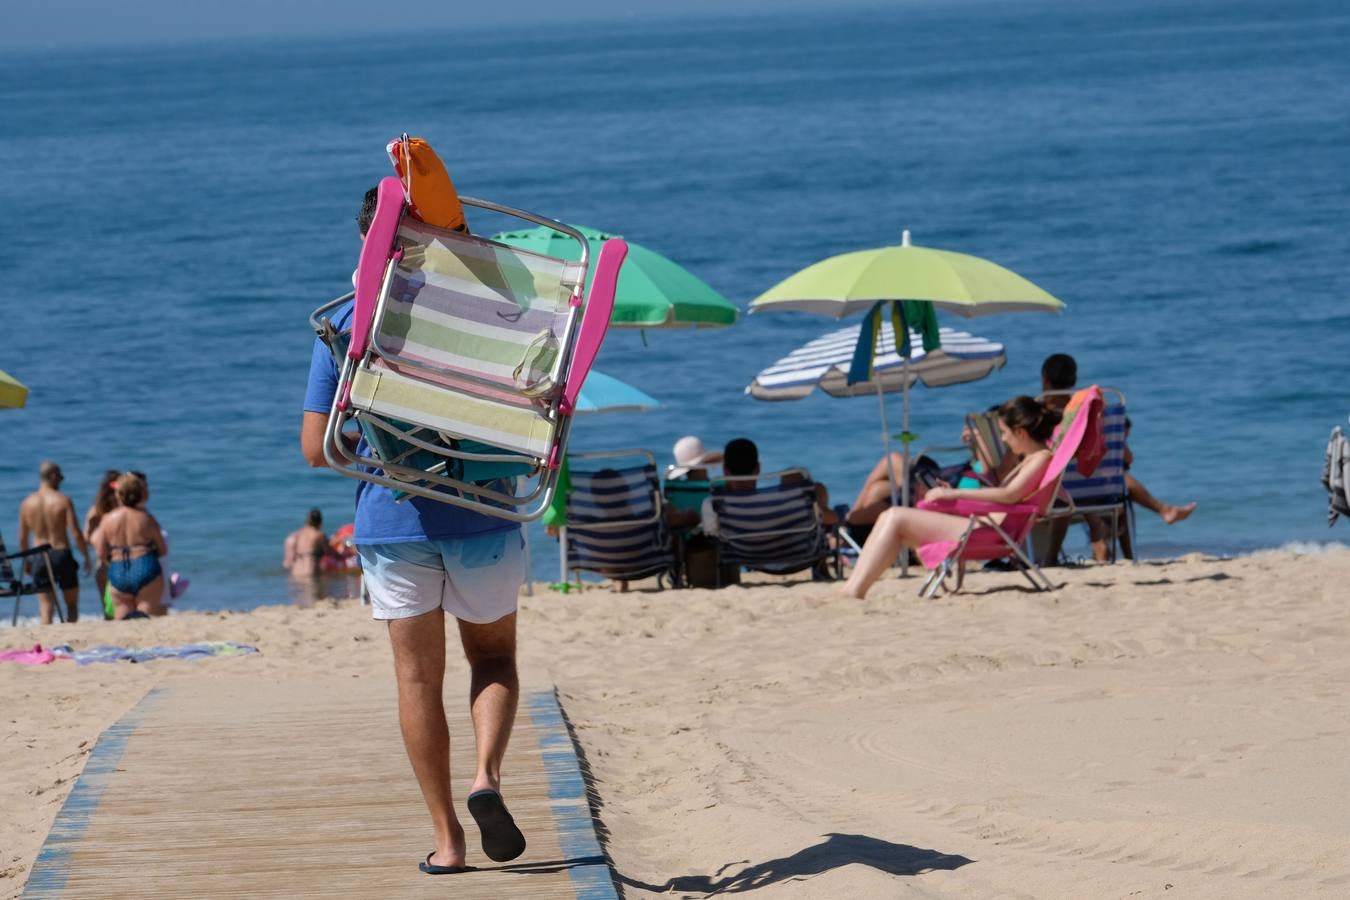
(422, 560)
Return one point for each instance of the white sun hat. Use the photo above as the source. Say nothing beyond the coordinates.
(689, 454)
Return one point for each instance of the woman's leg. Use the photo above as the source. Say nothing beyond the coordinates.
(149, 599)
(123, 604)
(897, 528)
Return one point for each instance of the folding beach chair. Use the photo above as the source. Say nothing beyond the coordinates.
(767, 525)
(988, 448)
(14, 583)
(986, 538)
(615, 519)
(1105, 492)
(464, 360)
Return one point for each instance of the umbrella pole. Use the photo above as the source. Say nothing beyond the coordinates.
(904, 456)
(562, 557)
(890, 465)
(886, 443)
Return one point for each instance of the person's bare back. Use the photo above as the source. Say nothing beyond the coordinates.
(305, 549)
(47, 516)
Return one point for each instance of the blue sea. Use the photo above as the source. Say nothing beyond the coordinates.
(1176, 173)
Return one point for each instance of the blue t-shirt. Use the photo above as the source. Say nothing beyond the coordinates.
(380, 519)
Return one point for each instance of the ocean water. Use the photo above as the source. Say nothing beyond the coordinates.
(1175, 172)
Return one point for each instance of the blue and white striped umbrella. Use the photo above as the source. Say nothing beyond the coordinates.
(825, 363)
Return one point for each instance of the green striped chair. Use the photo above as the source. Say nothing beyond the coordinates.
(464, 360)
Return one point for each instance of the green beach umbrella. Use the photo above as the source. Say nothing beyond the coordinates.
(854, 282)
(13, 395)
(653, 292)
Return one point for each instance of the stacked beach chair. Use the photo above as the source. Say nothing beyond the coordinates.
(464, 358)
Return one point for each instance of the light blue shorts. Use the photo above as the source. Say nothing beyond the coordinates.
(475, 579)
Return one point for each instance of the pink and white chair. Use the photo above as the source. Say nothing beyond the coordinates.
(987, 536)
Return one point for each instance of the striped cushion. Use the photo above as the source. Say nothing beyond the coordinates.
(613, 496)
(772, 527)
(474, 306)
(1106, 487)
(385, 392)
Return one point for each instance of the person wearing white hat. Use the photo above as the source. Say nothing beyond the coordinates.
(691, 460)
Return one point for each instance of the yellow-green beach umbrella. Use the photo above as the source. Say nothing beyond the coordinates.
(854, 282)
(13, 394)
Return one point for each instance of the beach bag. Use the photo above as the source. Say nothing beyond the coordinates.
(431, 194)
(1336, 476)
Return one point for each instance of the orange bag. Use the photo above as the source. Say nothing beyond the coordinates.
(430, 192)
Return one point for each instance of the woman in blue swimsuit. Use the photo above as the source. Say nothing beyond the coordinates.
(130, 543)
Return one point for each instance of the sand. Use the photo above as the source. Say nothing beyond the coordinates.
(1169, 729)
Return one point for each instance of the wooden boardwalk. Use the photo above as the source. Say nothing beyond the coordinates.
(267, 788)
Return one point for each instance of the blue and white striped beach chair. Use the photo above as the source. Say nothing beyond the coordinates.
(615, 521)
(774, 526)
(1105, 493)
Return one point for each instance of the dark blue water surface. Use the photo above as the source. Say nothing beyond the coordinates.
(1178, 175)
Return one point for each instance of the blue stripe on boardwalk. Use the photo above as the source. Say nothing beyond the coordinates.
(567, 791)
(52, 868)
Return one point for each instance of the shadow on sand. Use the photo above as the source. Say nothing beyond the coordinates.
(836, 851)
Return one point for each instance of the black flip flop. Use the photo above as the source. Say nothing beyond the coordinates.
(432, 869)
(502, 840)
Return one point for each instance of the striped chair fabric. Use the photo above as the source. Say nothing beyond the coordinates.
(773, 528)
(470, 306)
(614, 522)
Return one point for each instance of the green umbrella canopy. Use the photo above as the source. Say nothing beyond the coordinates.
(853, 282)
(653, 292)
(12, 393)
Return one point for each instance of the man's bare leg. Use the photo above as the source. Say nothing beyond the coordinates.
(494, 693)
(72, 596)
(419, 665)
(1169, 513)
(46, 607)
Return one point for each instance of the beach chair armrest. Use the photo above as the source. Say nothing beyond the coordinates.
(975, 507)
(375, 250)
(595, 317)
(31, 551)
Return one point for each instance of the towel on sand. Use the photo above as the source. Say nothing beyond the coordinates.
(144, 654)
(35, 657)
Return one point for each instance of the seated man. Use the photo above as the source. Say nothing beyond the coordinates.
(740, 465)
(1059, 372)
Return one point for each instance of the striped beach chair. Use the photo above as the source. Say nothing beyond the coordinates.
(767, 524)
(615, 520)
(464, 360)
(1105, 493)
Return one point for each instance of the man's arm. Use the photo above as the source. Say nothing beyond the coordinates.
(312, 429)
(73, 524)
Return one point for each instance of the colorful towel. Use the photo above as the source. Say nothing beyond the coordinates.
(145, 654)
(35, 657)
(1087, 401)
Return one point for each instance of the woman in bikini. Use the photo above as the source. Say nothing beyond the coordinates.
(1026, 425)
(130, 544)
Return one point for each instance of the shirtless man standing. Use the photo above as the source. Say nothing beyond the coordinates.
(47, 516)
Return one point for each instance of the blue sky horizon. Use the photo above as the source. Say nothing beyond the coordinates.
(74, 24)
